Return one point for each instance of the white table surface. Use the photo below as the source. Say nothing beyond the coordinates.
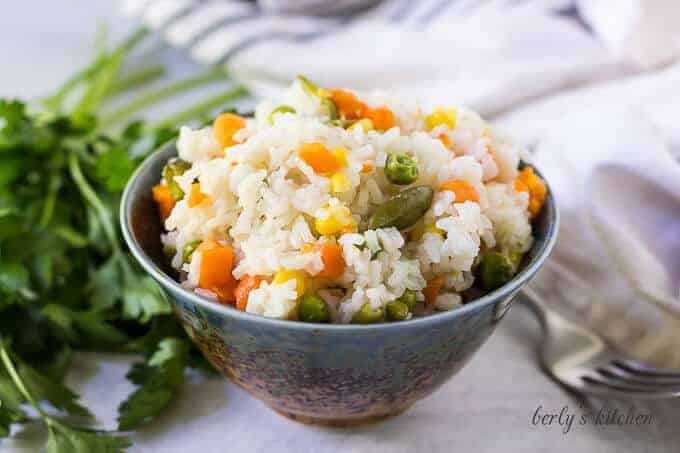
(488, 407)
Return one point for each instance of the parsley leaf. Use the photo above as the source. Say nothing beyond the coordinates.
(83, 326)
(8, 416)
(44, 388)
(67, 439)
(143, 299)
(114, 167)
(159, 380)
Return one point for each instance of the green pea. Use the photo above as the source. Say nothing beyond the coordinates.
(279, 109)
(496, 269)
(396, 310)
(409, 298)
(175, 167)
(402, 210)
(313, 309)
(366, 315)
(401, 169)
(188, 250)
(169, 251)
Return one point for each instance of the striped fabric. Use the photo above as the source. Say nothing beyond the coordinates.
(212, 31)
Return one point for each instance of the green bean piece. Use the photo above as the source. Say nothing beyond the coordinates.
(495, 270)
(279, 109)
(402, 210)
(189, 249)
(312, 308)
(331, 108)
(366, 315)
(308, 86)
(175, 167)
(401, 169)
(396, 310)
(409, 298)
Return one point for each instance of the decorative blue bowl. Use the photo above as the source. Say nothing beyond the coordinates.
(325, 373)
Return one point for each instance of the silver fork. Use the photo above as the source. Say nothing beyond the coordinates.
(583, 362)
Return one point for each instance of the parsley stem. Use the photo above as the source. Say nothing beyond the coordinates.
(48, 207)
(199, 109)
(11, 370)
(91, 196)
(153, 97)
(54, 101)
(136, 79)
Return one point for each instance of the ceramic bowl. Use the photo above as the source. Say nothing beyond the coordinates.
(325, 373)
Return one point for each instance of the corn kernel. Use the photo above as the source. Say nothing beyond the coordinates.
(419, 231)
(365, 124)
(306, 248)
(283, 275)
(440, 117)
(340, 183)
(433, 229)
(335, 219)
(340, 154)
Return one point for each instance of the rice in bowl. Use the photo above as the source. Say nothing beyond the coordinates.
(330, 207)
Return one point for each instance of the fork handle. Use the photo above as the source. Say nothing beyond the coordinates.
(538, 307)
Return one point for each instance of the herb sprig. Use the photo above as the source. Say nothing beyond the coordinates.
(67, 282)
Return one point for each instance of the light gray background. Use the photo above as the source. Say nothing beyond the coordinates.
(488, 407)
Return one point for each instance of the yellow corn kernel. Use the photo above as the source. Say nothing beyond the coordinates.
(433, 229)
(440, 117)
(340, 154)
(335, 220)
(419, 231)
(283, 275)
(366, 124)
(340, 183)
(306, 248)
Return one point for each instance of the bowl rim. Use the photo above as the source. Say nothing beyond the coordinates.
(167, 282)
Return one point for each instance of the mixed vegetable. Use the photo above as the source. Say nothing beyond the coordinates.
(404, 210)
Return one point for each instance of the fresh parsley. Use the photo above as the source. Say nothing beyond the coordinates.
(67, 282)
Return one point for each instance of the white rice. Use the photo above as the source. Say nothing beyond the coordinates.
(265, 198)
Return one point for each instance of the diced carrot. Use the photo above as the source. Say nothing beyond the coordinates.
(382, 118)
(463, 190)
(163, 198)
(446, 140)
(528, 181)
(432, 289)
(195, 196)
(225, 126)
(215, 273)
(317, 156)
(350, 107)
(520, 186)
(366, 167)
(243, 289)
(333, 262)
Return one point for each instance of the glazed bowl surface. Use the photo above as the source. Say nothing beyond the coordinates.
(324, 373)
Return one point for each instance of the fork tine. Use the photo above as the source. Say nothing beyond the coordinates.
(613, 389)
(614, 372)
(640, 368)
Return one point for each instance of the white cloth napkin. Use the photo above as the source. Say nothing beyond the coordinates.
(610, 153)
(491, 55)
